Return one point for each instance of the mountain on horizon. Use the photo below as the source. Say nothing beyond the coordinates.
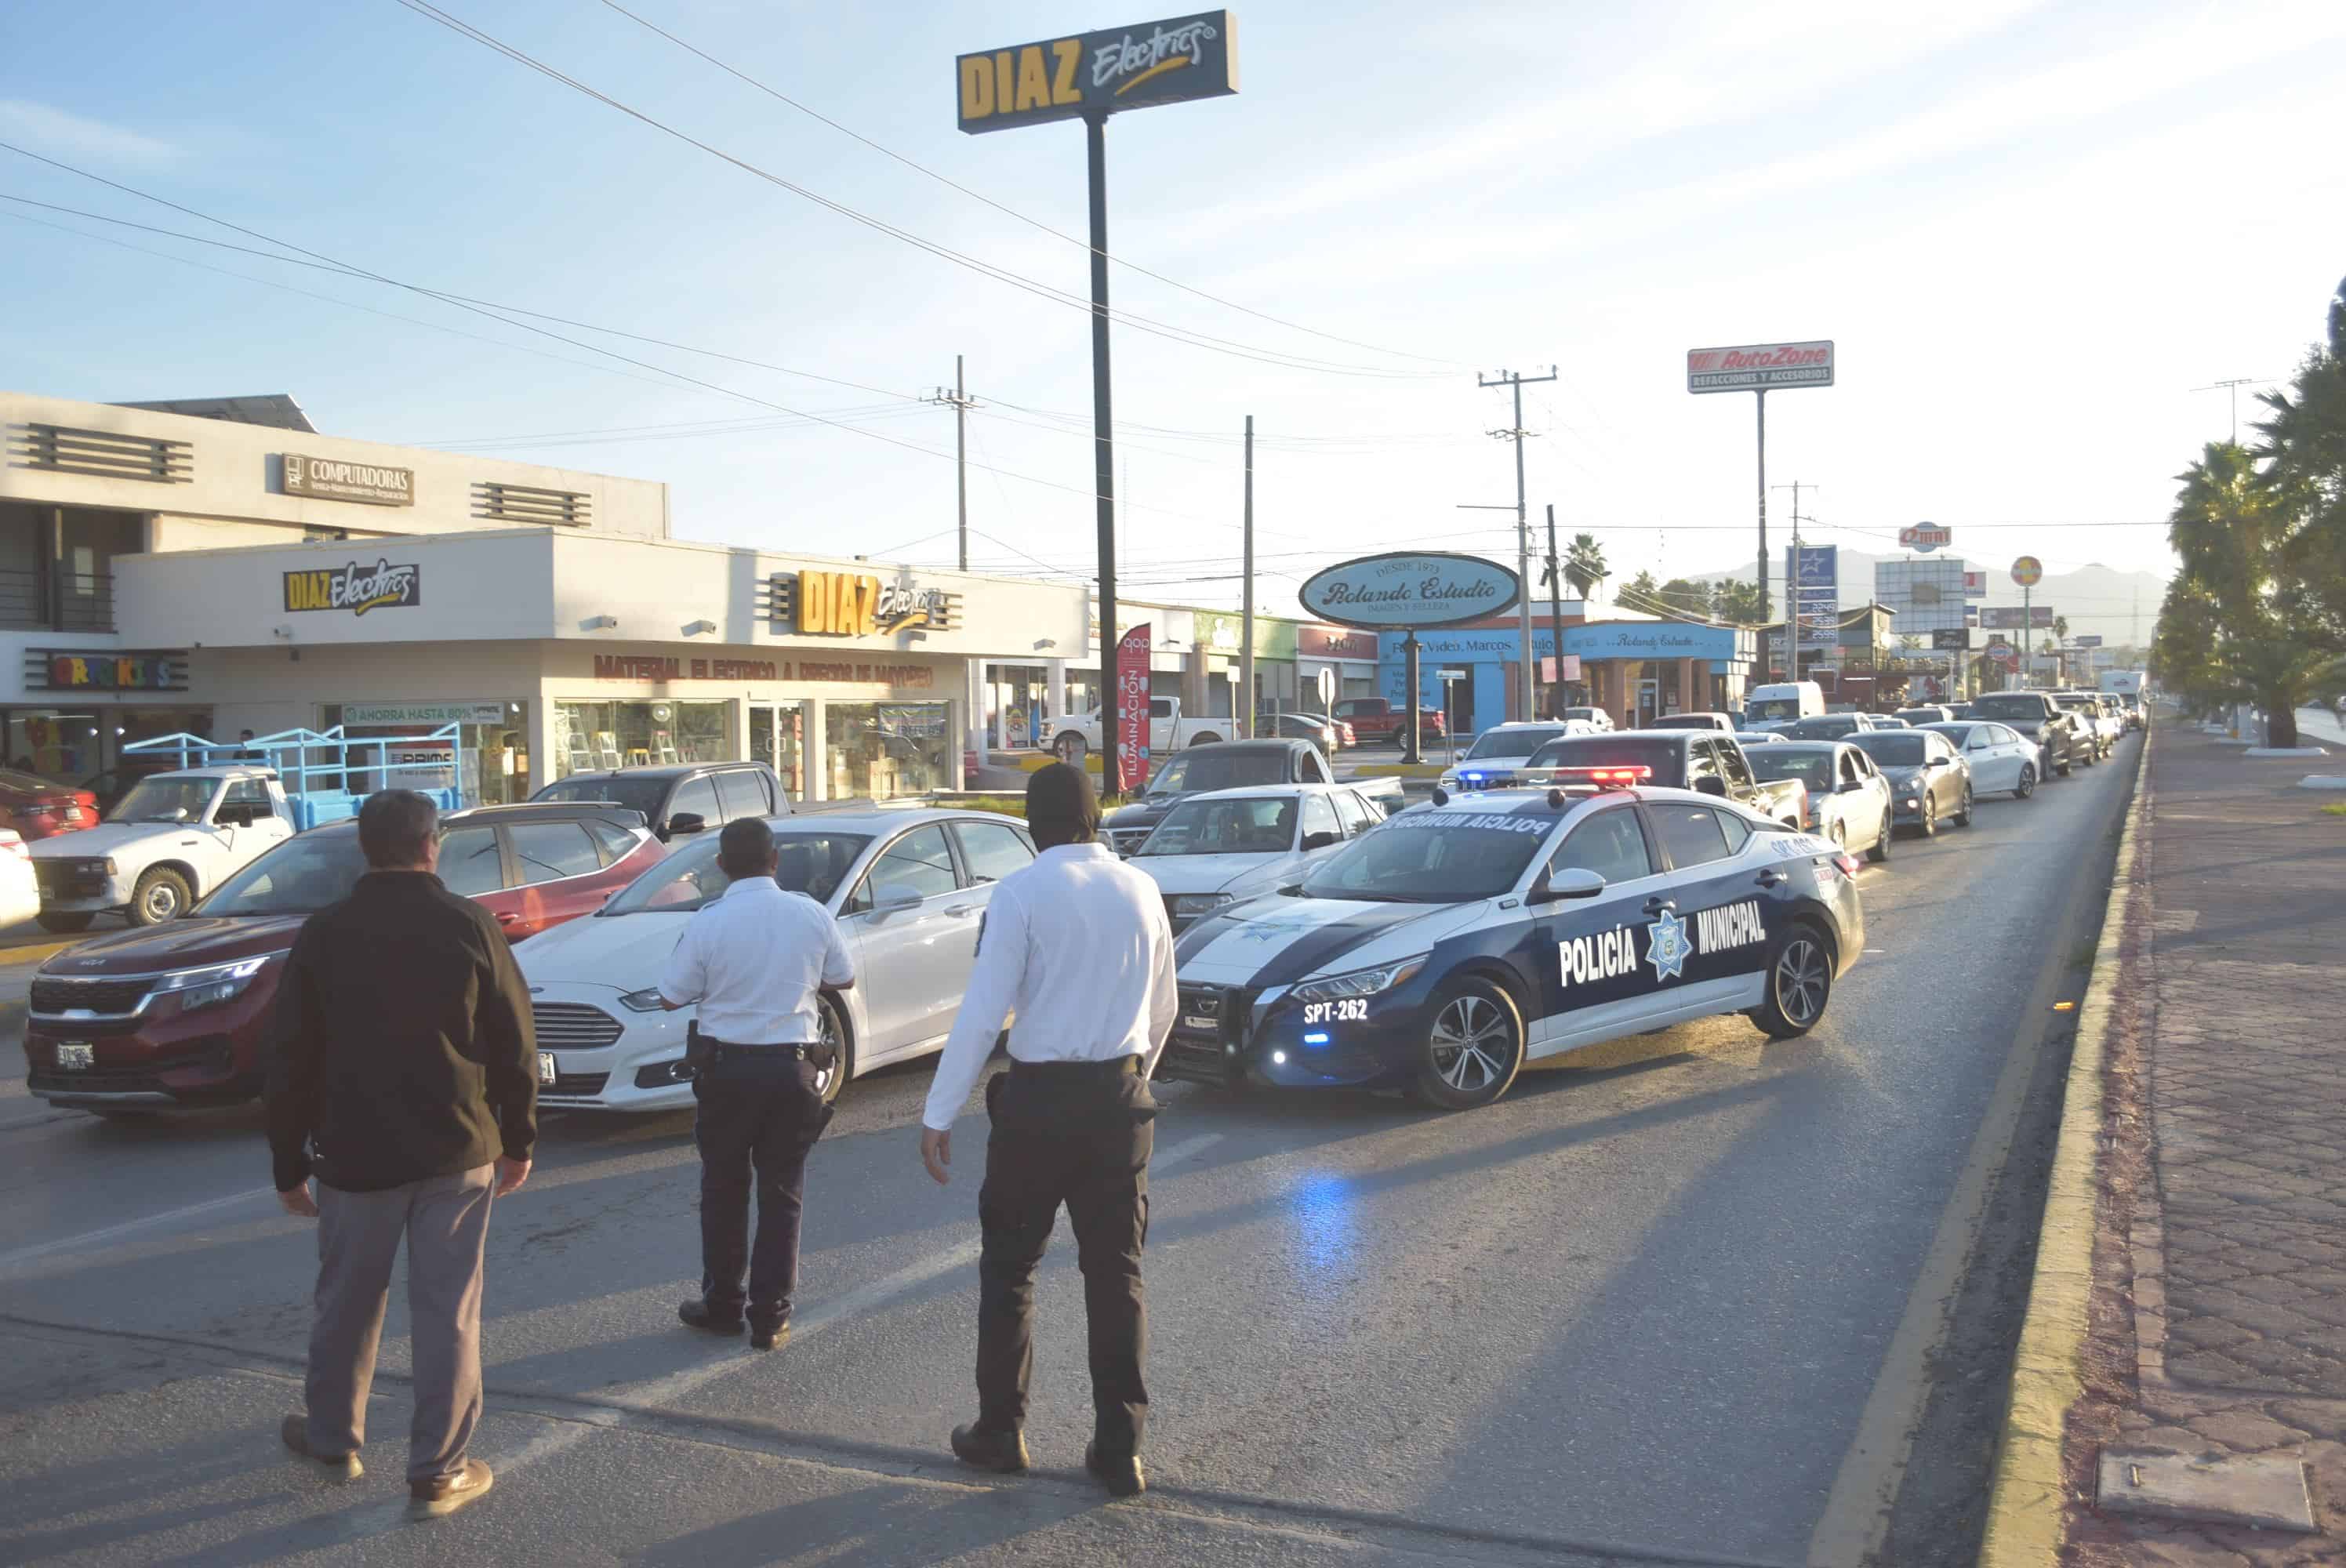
(2121, 607)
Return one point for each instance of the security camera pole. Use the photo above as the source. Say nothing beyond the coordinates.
(1089, 76)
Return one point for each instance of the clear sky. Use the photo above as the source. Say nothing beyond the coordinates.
(2032, 229)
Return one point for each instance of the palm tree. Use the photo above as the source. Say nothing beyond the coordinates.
(2060, 629)
(2234, 527)
(1584, 563)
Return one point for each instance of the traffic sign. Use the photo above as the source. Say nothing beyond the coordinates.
(2028, 571)
(1451, 675)
(1327, 689)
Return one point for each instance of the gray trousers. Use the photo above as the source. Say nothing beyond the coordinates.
(445, 1220)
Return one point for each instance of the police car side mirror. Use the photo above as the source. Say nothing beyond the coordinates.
(1574, 882)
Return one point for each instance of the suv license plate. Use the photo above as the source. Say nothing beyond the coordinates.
(76, 1055)
(546, 1068)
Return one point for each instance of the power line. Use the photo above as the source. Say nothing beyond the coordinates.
(1010, 211)
(1189, 336)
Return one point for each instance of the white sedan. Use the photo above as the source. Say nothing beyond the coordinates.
(20, 891)
(1849, 799)
(2000, 757)
(1500, 752)
(1225, 845)
(909, 889)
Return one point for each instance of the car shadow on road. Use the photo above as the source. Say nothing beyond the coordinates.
(880, 1526)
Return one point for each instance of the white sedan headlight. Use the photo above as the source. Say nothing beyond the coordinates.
(648, 999)
(1360, 982)
(1198, 903)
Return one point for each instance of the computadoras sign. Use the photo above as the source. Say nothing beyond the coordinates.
(355, 587)
(1411, 591)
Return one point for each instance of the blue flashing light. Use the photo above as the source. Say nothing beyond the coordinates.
(1317, 1038)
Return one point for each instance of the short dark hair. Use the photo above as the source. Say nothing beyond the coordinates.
(745, 847)
(396, 827)
(1062, 808)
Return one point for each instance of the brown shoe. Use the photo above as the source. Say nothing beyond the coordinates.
(295, 1431)
(446, 1493)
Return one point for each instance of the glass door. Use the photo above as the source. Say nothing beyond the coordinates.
(778, 740)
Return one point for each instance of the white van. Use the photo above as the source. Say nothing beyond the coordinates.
(1785, 702)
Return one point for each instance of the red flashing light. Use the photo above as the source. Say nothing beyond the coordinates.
(1607, 777)
(1848, 864)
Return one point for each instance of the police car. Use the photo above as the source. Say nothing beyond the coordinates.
(1444, 948)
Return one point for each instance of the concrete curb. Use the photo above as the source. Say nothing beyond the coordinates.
(2027, 1502)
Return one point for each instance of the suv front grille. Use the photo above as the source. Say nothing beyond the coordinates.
(573, 1026)
(53, 994)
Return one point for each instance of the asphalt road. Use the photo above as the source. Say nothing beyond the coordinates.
(1673, 1301)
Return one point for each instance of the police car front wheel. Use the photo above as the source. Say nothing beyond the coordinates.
(1473, 1047)
(1799, 985)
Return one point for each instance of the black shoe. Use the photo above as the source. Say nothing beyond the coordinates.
(1004, 1452)
(1122, 1477)
(699, 1314)
(769, 1336)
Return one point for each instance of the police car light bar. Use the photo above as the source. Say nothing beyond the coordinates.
(1608, 777)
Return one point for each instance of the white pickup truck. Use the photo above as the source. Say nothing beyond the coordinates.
(167, 843)
(1074, 735)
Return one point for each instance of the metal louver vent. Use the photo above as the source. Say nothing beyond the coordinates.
(526, 503)
(104, 454)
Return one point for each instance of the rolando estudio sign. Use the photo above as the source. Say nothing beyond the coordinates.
(1410, 591)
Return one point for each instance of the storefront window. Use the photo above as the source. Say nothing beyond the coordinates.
(596, 734)
(491, 768)
(778, 740)
(888, 749)
(1015, 697)
(84, 746)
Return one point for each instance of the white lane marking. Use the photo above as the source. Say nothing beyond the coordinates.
(91, 1237)
(862, 1299)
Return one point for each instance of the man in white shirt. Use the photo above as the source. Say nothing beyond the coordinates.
(754, 959)
(1078, 945)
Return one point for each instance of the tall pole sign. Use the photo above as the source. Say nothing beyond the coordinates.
(1089, 76)
(1759, 368)
(2028, 571)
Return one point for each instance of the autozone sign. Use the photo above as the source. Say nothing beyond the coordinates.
(1757, 367)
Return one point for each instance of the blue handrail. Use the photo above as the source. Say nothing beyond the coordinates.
(320, 788)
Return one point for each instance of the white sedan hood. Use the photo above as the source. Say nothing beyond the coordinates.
(617, 952)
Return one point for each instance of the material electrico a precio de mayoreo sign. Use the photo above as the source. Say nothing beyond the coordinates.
(1760, 367)
(1106, 72)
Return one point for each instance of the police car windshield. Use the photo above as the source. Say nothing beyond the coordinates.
(1188, 775)
(1813, 768)
(635, 794)
(1892, 749)
(1441, 856)
(1661, 753)
(1513, 742)
(811, 863)
(1263, 825)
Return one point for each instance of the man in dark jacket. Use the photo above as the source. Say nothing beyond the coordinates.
(402, 1077)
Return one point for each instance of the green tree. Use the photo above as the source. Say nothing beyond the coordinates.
(1680, 597)
(1732, 599)
(2237, 528)
(2305, 449)
(2060, 629)
(1584, 563)
(1642, 586)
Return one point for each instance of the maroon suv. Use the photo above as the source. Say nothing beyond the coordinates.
(177, 1014)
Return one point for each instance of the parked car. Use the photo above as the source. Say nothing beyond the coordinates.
(173, 839)
(1329, 734)
(1665, 760)
(1374, 718)
(1073, 736)
(908, 886)
(1748, 739)
(20, 891)
(1848, 796)
(2000, 757)
(1888, 721)
(1783, 702)
(1595, 718)
(1929, 780)
(1227, 765)
(1927, 712)
(1492, 761)
(33, 808)
(2102, 733)
(1827, 726)
(1226, 846)
(178, 1015)
(679, 797)
(1719, 723)
(2059, 736)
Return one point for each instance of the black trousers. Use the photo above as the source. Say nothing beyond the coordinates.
(1077, 1133)
(760, 1111)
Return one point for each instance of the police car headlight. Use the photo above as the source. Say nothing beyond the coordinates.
(1360, 982)
(648, 999)
(1198, 903)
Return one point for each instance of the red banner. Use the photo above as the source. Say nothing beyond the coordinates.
(1132, 709)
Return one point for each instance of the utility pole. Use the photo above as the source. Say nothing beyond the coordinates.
(1792, 628)
(2233, 386)
(1523, 687)
(1555, 617)
(961, 403)
(1245, 613)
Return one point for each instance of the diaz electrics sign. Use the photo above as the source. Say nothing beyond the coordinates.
(355, 587)
(1194, 57)
(1410, 591)
(857, 605)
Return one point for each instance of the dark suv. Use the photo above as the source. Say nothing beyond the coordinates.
(680, 797)
(2060, 737)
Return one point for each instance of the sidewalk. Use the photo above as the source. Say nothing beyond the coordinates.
(2212, 1366)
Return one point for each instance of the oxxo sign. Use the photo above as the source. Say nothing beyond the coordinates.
(1120, 68)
